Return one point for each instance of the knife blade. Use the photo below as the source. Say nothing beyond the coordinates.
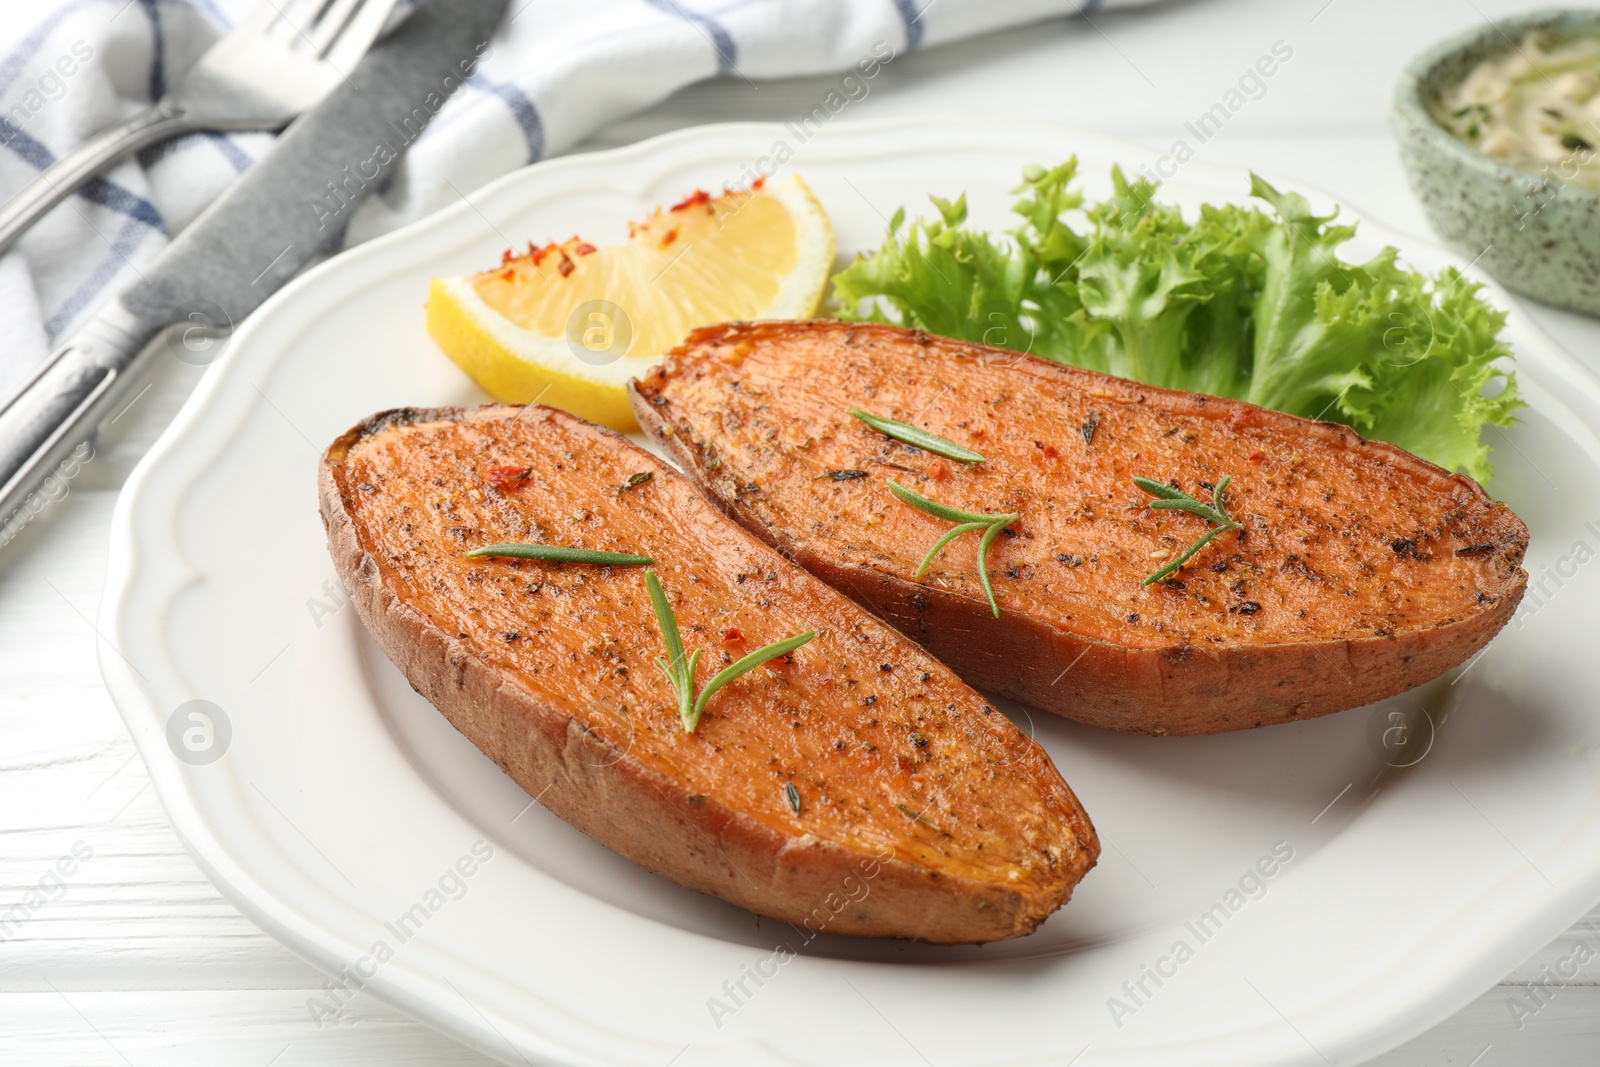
(256, 235)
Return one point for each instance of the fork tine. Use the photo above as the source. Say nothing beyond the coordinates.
(358, 34)
(331, 22)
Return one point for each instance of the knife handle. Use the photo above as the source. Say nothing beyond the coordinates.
(155, 123)
(61, 408)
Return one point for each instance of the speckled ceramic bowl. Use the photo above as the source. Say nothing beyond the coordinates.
(1535, 234)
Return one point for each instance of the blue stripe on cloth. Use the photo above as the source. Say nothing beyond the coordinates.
(235, 155)
(158, 50)
(727, 48)
(522, 110)
(118, 199)
(912, 17)
(98, 190)
(127, 241)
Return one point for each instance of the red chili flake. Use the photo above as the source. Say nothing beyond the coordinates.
(1257, 457)
(699, 196)
(1050, 452)
(507, 256)
(509, 273)
(759, 182)
(584, 248)
(936, 471)
(567, 266)
(672, 235)
(1241, 418)
(504, 478)
(733, 635)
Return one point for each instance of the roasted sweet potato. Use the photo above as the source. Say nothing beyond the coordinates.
(860, 789)
(1361, 571)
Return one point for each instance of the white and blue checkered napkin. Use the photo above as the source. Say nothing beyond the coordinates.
(557, 71)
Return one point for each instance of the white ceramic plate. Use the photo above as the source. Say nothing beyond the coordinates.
(341, 801)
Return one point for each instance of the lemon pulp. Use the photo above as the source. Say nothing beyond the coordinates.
(570, 323)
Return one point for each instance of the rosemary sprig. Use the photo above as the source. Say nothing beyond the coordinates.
(1177, 500)
(679, 668)
(560, 554)
(967, 522)
(911, 435)
(916, 816)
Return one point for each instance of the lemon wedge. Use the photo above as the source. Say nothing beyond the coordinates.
(568, 324)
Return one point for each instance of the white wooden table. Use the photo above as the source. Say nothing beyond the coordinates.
(139, 961)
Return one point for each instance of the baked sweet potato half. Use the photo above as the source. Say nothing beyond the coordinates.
(859, 788)
(1359, 571)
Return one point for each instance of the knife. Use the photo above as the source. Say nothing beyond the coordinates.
(253, 238)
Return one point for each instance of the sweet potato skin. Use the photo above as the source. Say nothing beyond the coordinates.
(1363, 572)
(680, 805)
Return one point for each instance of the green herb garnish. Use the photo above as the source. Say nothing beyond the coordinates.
(560, 554)
(792, 795)
(634, 481)
(1229, 300)
(679, 668)
(968, 522)
(1177, 500)
(917, 816)
(911, 435)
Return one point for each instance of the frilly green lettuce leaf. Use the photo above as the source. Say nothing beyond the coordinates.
(1236, 303)
(1438, 382)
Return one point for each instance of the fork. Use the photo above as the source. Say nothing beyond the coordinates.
(278, 61)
